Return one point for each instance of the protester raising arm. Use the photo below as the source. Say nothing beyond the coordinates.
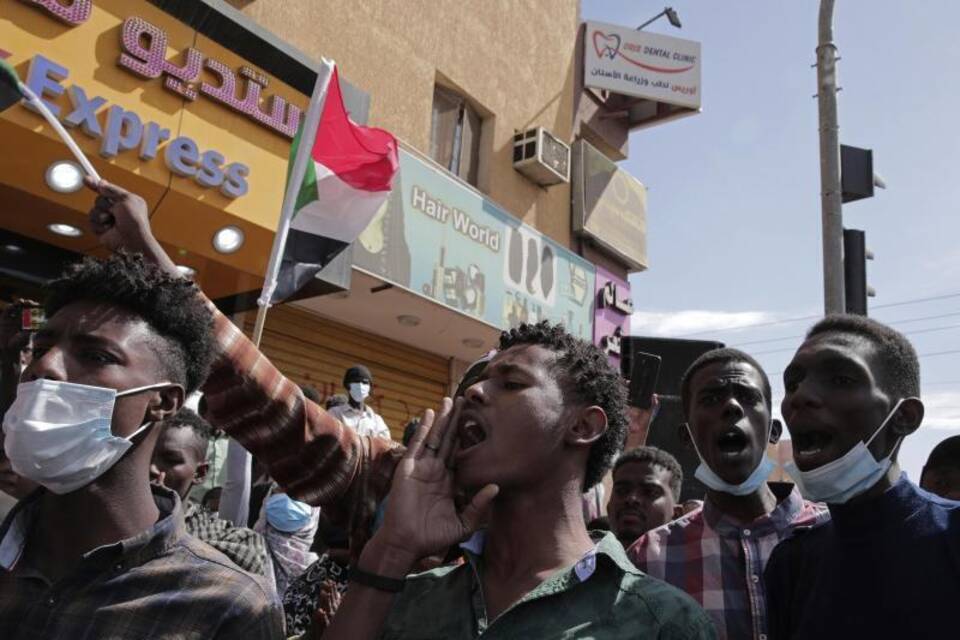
(421, 520)
(309, 453)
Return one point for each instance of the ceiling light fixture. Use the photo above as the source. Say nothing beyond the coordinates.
(64, 176)
(472, 343)
(228, 239)
(408, 321)
(185, 271)
(62, 229)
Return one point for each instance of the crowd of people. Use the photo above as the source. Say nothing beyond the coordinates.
(476, 524)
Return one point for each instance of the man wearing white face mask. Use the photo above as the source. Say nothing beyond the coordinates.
(717, 553)
(97, 552)
(356, 414)
(887, 565)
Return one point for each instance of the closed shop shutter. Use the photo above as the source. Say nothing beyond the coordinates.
(312, 350)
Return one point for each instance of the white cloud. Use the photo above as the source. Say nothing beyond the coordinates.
(679, 323)
(942, 410)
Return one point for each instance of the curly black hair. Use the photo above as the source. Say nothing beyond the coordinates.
(657, 457)
(170, 305)
(188, 419)
(900, 371)
(588, 377)
(723, 355)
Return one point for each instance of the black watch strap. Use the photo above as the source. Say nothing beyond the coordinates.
(381, 583)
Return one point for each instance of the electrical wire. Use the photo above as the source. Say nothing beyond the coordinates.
(901, 303)
(891, 322)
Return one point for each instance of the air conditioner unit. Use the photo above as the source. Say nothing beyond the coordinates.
(541, 156)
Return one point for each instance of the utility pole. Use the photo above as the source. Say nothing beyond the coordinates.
(831, 202)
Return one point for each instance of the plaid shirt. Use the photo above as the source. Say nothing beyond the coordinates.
(720, 563)
(313, 456)
(162, 583)
(244, 546)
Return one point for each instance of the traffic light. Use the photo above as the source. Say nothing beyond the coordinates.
(855, 256)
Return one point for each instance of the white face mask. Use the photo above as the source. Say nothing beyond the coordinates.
(709, 477)
(359, 391)
(58, 433)
(846, 477)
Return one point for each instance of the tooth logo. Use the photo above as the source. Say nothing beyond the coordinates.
(606, 45)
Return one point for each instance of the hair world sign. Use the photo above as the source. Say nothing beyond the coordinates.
(144, 48)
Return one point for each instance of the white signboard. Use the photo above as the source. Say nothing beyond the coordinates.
(642, 64)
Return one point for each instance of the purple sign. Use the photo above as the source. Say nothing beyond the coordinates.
(611, 318)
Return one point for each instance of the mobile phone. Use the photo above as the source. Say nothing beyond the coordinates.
(31, 318)
(642, 370)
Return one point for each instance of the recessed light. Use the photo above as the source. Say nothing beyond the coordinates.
(408, 321)
(15, 249)
(186, 271)
(62, 229)
(472, 343)
(228, 239)
(64, 176)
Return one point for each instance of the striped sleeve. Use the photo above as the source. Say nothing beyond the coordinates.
(307, 451)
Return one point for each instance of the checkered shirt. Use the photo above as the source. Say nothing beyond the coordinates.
(160, 584)
(244, 546)
(720, 563)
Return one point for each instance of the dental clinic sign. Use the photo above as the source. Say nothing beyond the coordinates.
(641, 64)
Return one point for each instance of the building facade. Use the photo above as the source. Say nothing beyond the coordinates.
(193, 104)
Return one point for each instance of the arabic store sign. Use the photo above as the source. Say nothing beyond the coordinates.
(145, 54)
(642, 64)
(449, 243)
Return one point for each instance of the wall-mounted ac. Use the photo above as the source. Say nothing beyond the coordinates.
(541, 157)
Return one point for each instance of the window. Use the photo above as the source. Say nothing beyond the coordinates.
(455, 134)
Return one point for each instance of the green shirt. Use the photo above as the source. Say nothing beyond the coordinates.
(603, 597)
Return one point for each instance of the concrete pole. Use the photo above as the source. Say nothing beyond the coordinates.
(831, 196)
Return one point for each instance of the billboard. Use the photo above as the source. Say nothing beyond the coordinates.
(609, 206)
(441, 239)
(642, 64)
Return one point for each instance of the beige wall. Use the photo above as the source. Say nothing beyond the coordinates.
(514, 58)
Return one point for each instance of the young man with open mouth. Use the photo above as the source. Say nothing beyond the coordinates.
(887, 565)
(717, 553)
(543, 422)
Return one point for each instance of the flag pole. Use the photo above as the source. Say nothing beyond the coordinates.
(38, 104)
(308, 134)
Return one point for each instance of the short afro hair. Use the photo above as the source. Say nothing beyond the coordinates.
(657, 457)
(171, 305)
(588, 378)
(946, 455)
(188, 419)
(900, 367)
(723, 356)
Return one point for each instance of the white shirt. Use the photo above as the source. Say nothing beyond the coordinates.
(366, 421)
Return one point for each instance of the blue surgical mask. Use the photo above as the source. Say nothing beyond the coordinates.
(286, 514)
(846, 477)
(708, 476)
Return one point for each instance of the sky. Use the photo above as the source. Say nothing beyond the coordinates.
(733, 217)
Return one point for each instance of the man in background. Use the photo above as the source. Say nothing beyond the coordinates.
(941, 474)
(179, 463)
(356, 414)
(646, 493)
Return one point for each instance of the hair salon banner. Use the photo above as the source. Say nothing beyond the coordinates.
(444, 240)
